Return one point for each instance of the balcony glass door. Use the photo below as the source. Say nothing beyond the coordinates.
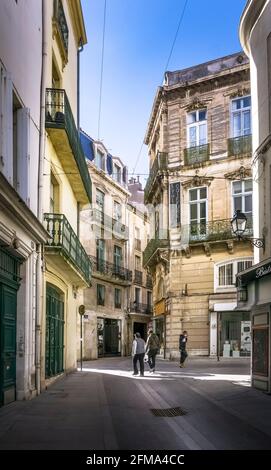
(198, 212)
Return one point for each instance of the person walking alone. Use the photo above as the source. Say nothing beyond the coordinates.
(138, 353)
(152, 348)
(182, 348)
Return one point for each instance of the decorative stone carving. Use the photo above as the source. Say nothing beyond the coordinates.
(241, 174)
(187, 251)
(197, 181)
(207, 249)
(240, 92)
(230, 246)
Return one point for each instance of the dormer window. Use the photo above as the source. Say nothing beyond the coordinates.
(117, 173)
(100, 160)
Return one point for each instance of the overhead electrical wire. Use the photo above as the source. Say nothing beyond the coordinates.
(167, 63)
(102, 70)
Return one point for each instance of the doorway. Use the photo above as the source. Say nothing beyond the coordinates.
(109, 337)
(140, 328)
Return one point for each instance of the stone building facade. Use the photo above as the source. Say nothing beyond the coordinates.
(114, 234)
(199, 140)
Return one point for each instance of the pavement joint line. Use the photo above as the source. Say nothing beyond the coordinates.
(182, 431)
(109, 438)
(234, 413)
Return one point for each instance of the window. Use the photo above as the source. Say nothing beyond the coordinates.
(197, 128)
(137, 263)
(99, 160)
(100, 204)
(117, 256)
(100, 294)
(117, 211)
(225, 274)
(198, 210)
(175, 209)
(241, 116)
(117, 298)
(117, 173)
(137, 296)
(242, 196)
(100, 255)
(54, 195)
(149, 299)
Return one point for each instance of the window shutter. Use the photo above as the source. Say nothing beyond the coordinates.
(6, 125)
(23, 153)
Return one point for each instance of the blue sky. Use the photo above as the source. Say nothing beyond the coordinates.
(138, 40)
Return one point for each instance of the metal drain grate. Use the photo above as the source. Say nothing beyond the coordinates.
(168, 412)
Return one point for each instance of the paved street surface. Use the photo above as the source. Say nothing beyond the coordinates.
(105, 407)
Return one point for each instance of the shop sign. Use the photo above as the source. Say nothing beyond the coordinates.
(160, 307)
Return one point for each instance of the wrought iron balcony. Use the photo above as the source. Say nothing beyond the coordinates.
(161, 241)
(138, 277)
(137, 307)
(65, 242)
(149, 282)
(159, 165)
(137, 244)
(211, 231)
(197, 154)
(240, 145)
(110, 269)
(64, 136)
(60, 28)
(118, 229)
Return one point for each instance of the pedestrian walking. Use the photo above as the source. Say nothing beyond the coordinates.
(152, 348)
(138, 353)
(182, 348)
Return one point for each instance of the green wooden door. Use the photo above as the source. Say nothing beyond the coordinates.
(54, 332)
(8, 307)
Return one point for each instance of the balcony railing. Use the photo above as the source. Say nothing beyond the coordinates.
(61, 27)
(160, 164)
(149, 282)
(240, 145)
(197, 154)
(110, 269)
(137, 244)
(59, 116)
(65, 239)
(138, 277)
(141, 308)
(119, 230)
(161, 241)
(212, 231)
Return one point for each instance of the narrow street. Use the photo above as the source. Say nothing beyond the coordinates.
(104, 407)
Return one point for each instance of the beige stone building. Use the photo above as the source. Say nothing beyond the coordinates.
(199, 140)
(255, 283)
(114, 234)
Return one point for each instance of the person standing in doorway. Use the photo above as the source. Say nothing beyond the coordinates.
(152, 348)
(138, 353)
(182, 348)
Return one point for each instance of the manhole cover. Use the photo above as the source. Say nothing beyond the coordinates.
(168, 412)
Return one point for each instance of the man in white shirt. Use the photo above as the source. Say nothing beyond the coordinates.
(138, 353)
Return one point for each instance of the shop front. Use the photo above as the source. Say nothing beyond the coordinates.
(159, 324)
(254, 293)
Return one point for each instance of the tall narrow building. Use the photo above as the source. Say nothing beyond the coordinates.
(199, 140)
(67, 188)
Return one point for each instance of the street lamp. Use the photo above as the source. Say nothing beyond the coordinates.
(239, 223)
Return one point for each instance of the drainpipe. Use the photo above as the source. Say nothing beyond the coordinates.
(42, 137)
(80, 49)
